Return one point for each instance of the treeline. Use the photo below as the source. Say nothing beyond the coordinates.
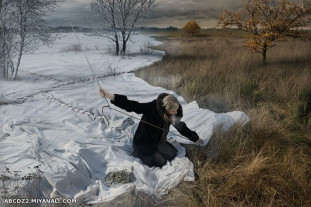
(69, 29)
(86, 29)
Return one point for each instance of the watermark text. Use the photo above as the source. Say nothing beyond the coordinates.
(39, 200)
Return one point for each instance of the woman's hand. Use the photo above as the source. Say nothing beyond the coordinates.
(106, 94)
(200, 141)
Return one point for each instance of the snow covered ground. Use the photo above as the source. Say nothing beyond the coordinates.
(51, 116)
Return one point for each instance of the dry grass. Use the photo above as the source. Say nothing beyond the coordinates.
(72, 48)
(268, 162)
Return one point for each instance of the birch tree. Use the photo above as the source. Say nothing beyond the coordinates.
(121, 18)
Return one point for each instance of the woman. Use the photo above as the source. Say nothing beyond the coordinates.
(149, 142)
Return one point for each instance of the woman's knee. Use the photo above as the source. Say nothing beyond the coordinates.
(159, 160)
(170, 156)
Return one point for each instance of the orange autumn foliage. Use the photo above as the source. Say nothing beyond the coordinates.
(192, 27)
(268, 20)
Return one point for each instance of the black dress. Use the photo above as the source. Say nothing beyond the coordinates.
(149, 142)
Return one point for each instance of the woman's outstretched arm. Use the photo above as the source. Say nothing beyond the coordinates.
(122, 102)
(185, 131)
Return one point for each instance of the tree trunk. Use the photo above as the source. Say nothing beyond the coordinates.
(4, 62)
(22, 34)
(21, 48)
(22, 42)
(124, 47)
(264, 53)
(124, 40)
(264, 56)
(4, 51)
(117, 47)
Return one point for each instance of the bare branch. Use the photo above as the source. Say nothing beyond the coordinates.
(122, 16)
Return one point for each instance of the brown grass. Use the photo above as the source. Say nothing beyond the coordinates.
(268, 162)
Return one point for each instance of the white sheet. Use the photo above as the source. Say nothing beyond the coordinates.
(74, 151)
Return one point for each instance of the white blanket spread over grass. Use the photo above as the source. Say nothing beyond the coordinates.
(47, 119)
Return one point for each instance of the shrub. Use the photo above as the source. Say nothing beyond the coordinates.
(73, 48)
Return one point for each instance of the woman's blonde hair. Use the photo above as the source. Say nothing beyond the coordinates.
(170, 102)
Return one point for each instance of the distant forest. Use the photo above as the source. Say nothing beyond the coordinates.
(85, 29)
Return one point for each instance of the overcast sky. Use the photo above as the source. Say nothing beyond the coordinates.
(166, 13)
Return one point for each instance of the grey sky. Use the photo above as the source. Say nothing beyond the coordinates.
(166, 13)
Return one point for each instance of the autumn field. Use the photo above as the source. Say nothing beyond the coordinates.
(266, 163)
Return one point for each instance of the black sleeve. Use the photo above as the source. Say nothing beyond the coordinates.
(185, 131)
(122, 102)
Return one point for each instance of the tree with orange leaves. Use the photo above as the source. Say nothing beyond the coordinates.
(192, 27)
(267, 21)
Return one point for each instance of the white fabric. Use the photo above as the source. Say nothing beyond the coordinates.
(74, 151)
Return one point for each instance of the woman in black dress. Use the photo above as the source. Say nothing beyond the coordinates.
(149, 142)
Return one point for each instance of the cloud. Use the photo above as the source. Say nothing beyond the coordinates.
(177, 12)
(166, 13)
(69, 4)
(77, 12)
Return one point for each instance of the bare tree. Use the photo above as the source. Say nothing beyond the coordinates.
(121, 17)
(32, 27)
(132, 13)
(23, 29)
(106, 11)
(7, 25)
